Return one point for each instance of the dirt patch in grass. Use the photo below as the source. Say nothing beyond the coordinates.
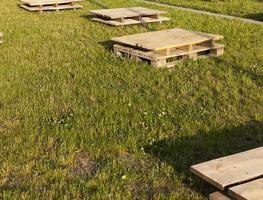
(84, 165)
(140, 188)
(131, 162)
(16, 179)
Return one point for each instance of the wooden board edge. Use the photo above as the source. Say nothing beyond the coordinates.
(247, 187)
(43, 4)
(219, 196)
(32, 9)
(235, 195)
(97, 14)
(111, 22)
(206, 178)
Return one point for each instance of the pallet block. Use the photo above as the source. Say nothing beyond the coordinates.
(167, 48)
(49, 5)
(128, 16)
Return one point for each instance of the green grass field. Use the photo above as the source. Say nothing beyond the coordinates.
(252, 9)
(76, 122)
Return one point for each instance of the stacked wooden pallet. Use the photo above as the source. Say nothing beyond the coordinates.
(1, 35)
(49, 5)
(237, 177)
(128, 16)
(166, 48)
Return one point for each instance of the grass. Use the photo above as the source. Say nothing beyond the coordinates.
(78, 123)
(252, 9)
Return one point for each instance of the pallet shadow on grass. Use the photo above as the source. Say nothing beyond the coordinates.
(97, 3)
(108, 45)
(186, 151)
(258, 16)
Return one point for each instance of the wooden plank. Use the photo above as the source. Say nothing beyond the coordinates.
(131, 21)
(159, 40)
(218, 196)
(181, 52)
(160, 59)
(174, 53)
(47, 2)
(227, 171)
(119, 13)
(248, 191)
(52, 7)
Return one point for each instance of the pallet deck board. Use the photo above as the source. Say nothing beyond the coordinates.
(47, 2)
(172, 38)
(248, 191)
(218, 196)
(130, 21)
(128, 16)
(49, 5)
(230, 170)
(46, 8)
(118, 13)
(159, 55)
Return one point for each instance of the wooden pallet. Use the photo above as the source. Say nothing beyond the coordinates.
(49, 5)
(238, 175)
(128, 16)
(166, 48)
(1, 35)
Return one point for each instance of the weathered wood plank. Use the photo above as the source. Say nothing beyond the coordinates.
(248, 191)
(50, 7)
(131, 21)
(159, 40)
(47, 2)
(227, 171)
(161, 59)
(218, 196)
(118, 13)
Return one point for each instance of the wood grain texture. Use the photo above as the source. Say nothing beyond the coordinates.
(218, 196)
(248, 191)
(46, 8)
(172, 38)
(119, 13)
(234, 169)
(131, 21)
(47, 2)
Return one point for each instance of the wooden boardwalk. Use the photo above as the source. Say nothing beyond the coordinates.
(238, 175)
(165, 48)
(49, 5)
(128, 16)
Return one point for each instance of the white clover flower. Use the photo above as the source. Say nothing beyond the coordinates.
(124, 177)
